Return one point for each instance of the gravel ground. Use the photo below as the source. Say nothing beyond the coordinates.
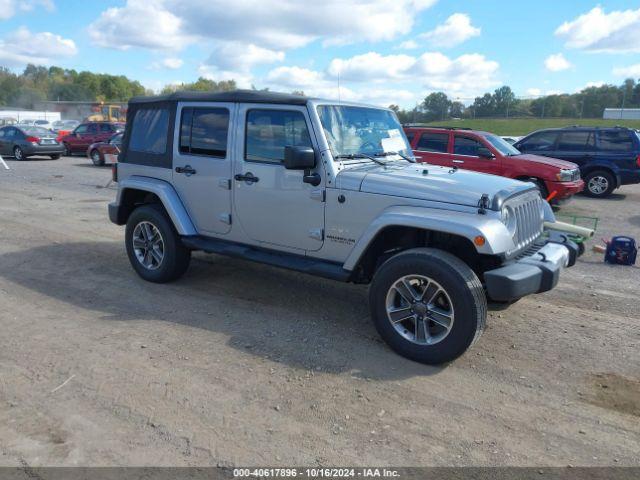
(243, 364)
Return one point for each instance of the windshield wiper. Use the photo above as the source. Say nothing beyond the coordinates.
(388, 154)
(352, 156)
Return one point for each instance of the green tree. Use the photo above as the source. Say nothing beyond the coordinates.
(436, 106)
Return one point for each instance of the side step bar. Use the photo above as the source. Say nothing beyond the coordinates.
(289, 261)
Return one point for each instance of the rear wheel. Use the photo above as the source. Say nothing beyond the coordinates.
(428, 305)
(153, 245)
(18, 154)
(599, 184)
(55, 156)
(96, 158)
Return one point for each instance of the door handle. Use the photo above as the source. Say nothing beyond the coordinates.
(187, 170)
(246, 177)
(458, 161)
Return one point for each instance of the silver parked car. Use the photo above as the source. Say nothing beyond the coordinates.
(330, 188)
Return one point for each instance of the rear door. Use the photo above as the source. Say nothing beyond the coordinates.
(577, 146)
(202, 164)
(617, 146)
(105, 131)
(465, 155)
(433, 148)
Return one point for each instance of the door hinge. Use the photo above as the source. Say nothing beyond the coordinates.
(225, 218)
(319, 195)
(317, 233)
(225, 183)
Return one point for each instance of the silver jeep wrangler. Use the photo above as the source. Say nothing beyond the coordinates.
(331, 189)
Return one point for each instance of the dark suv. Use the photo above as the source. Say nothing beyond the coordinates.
(608, 157)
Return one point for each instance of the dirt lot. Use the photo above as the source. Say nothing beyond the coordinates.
(242, 364)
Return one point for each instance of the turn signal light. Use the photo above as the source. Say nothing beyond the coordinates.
(479, 241)
(638, 160)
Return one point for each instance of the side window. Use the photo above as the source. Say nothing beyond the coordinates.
(575, 141)
(540, 141)
(410, 137)
(92, 128)
(615, 140)
(204, 131)
(149, 130)
(269, 131)
(11, 133)
(105, 128)
(81, 129)
(433, 142)
(2, 133)
(466, 146)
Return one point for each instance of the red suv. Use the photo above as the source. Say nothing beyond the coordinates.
(488, 153)
(88, 133)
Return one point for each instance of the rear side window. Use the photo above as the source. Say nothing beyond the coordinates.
(269, 131)
(466, 146)
(92, 128)
(433, 142)
(105, 128)
(204, 131)
(615, 140)
(540, 141)
(576, 141)
(149, 130)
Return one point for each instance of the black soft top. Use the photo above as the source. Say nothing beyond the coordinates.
(235, 96)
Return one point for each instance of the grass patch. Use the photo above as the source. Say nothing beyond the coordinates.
(524, 126)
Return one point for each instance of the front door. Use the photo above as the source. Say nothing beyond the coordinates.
(465, 155)
(273, 205)
(202, 164)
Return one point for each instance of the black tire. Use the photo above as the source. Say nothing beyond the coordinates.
(544, 193)
(67, 151)
(55, 157)
(176, 257)
(18, 154)
(464, 291)
(599, 184)
(96, 158)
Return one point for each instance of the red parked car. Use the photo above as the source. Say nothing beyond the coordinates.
(105, 152)
(89, 133)
(488, 153)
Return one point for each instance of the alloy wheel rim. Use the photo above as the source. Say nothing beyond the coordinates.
(148, 245)
(18, 154)
(598, 185)
(95, 156)
(420, 309)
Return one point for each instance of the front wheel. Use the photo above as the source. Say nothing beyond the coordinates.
(153, 245)
(599, 184)
(428, 305)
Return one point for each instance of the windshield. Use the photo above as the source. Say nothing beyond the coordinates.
(504, 147)
(361, 130)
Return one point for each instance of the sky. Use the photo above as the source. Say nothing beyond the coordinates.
(375, 51)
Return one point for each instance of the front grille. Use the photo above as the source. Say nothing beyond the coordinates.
(528, 211)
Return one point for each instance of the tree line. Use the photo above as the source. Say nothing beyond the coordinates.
(37, 83)
(588, 103)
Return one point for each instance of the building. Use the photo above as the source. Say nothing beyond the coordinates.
(621, 114)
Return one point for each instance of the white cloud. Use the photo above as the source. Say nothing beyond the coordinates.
(169, 63)
(454, 31)
(237, 56)
(627, 72)
(8, 8)
(597, 31)
(21, 46)
(556, 63)
(371, 67)
(273, 25)
(295, 77)
(534, 92)
(408, 45)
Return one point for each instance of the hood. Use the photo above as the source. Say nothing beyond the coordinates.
(428, 182)
(552, 162)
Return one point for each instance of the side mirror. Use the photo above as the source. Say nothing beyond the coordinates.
(299, 158)
(484, 152)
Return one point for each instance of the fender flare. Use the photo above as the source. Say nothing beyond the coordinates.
(463, 224)
(167, 195)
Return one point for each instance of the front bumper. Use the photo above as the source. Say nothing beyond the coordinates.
(535, 273)
(564, 190)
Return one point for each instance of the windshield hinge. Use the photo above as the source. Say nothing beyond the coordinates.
(483, 204)
(319, 195)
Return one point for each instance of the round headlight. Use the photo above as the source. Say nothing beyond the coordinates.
(508, 217)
